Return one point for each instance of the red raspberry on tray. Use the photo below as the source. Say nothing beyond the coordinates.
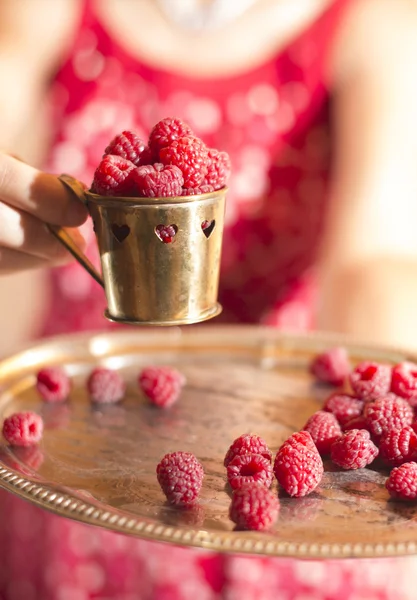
(111, 176)
(399, 446)
(324, 429)
(165, 132)
(180, 476)
(298, 465)
(218, 169)
(369, 380)
(53, 384)
(402, 482)
(105, 386)
(162, 385)
(344, 407)
(404, 382)
(332, 366)
(23, 429)
(128, 145)
(254, 507)
(386, 414)
(354, 450)
(190, 155)
(157, 181)
(248, 443)
(249, 469)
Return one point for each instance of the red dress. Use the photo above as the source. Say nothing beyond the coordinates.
(274, 122)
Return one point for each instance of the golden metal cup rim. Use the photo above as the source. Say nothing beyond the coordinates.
(140, 201)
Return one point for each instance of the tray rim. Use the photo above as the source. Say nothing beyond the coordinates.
(65, 502)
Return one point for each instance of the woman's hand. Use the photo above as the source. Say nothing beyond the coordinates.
(28, 200)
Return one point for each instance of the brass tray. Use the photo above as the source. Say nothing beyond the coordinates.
(97, 464)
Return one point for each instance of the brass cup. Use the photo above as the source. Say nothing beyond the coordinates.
(147, 281)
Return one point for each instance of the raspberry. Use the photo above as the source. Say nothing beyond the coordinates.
(324, 429)
(105, 386)
(354, 450)
(127, 145)
(201, 189)
(206, 224)
(165, 132)
(254, 507)
(404, 382)
(53, 384)
(23, 429)
(356, 423)
(344, 407)
(191, 156)
(146, 158)
(298, 465)
(399, 446)
(247, 443)
(249, 469)
(157, 181)
(180, 476)
(387, 413)
(111, 176)
(166, 233)
(402, 482)
(219, 169)
(162, 385)
(369, 380)
(331, 366)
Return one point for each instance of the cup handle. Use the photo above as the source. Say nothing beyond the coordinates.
(63, 236)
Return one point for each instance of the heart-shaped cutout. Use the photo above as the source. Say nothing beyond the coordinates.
(166, 233)
(208, 227)
(120, 232)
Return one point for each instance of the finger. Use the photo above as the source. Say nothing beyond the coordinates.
(12, 261)
(24, 232)
(39, 194)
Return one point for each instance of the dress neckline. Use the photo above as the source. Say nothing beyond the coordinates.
(326, 24)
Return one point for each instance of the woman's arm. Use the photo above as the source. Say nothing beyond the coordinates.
(34, 36)
(369, 255)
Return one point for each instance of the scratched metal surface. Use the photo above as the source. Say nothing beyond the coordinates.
(97, 464)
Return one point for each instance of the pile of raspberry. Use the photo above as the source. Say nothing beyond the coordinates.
(371, 416)
(161, 385)
(173, 162)
(297, 466)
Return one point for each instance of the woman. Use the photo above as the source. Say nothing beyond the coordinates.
(314, 101)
